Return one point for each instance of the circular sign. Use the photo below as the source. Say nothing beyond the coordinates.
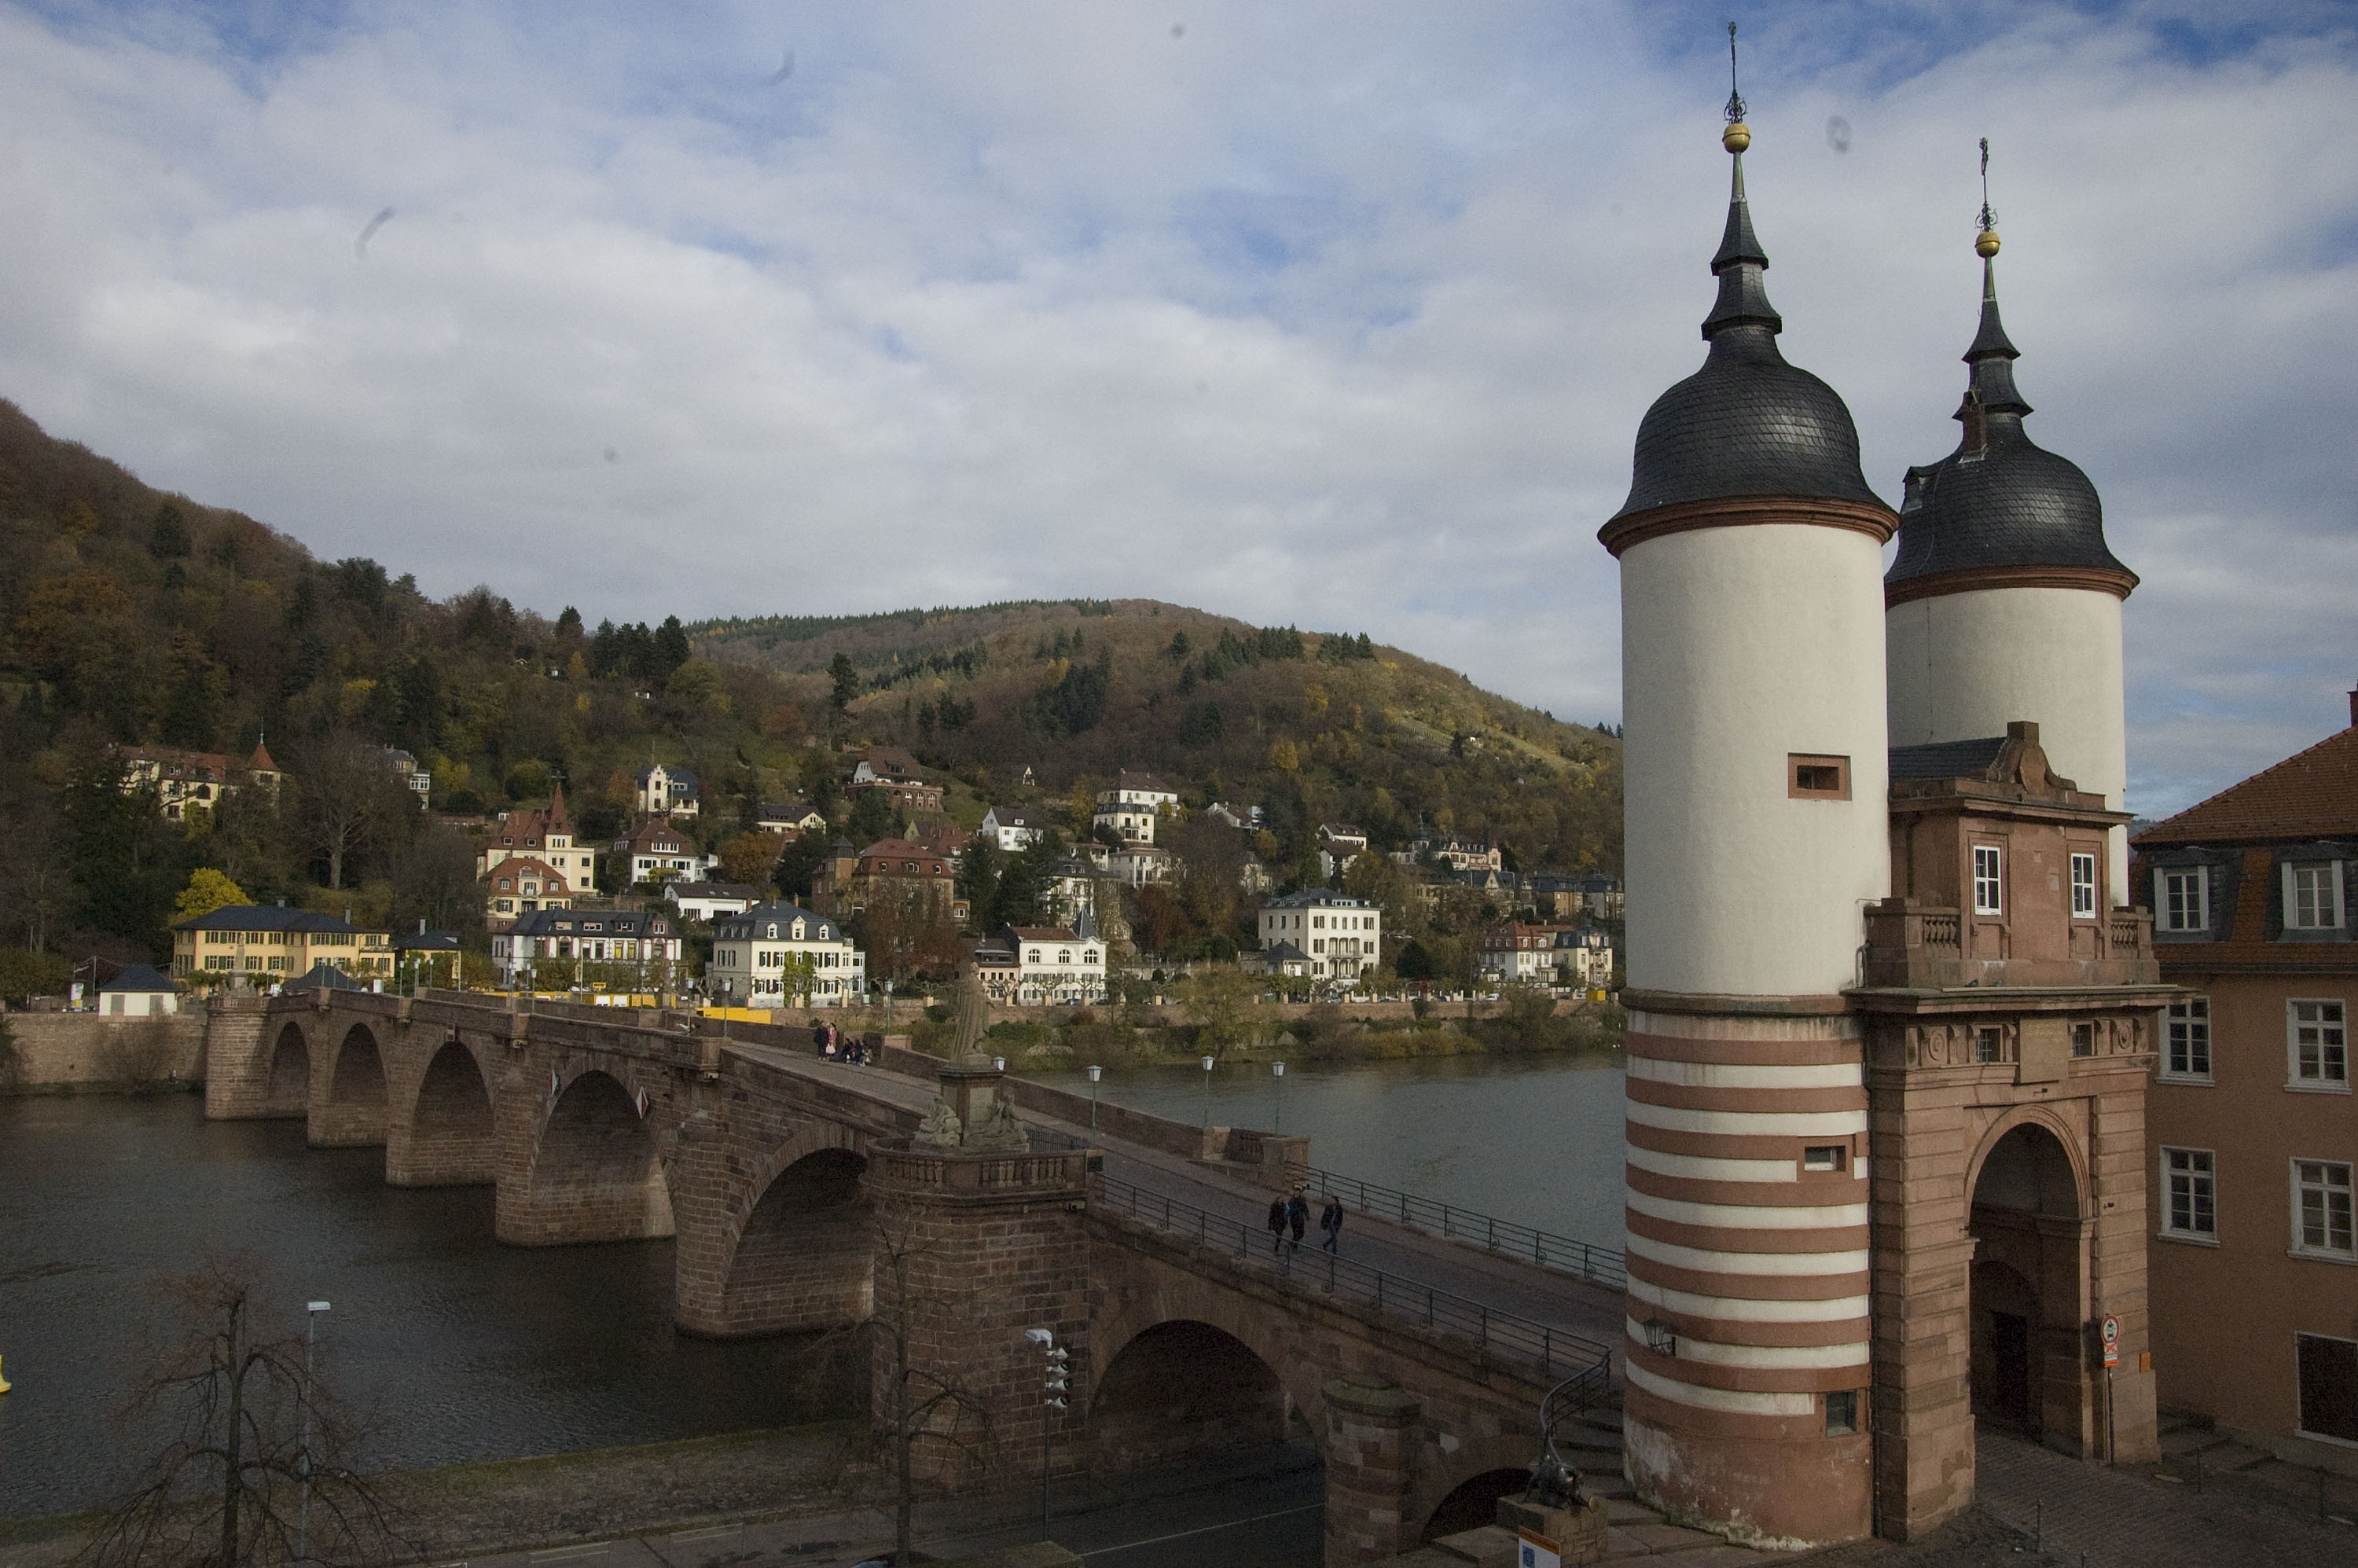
(2112, 1329)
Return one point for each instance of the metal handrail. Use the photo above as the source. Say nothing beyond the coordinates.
(1493, 1331)
(1559, 1254)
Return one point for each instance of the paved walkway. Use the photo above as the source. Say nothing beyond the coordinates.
(1500, 1283)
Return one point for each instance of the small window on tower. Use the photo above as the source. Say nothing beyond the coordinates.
(1811, 777)
(1824, 1157)
(1842, 1413)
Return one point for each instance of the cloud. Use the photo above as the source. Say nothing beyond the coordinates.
(1338, 315)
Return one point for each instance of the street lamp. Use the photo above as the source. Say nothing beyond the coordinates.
(888, 1000)
(1093, 1073)
(311, 1311)
(999, 1064)
(1208, 1091)
(1277, 1071)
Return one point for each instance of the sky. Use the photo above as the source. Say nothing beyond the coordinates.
(1340, 315)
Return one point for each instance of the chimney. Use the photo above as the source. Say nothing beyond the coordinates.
(2354, 711)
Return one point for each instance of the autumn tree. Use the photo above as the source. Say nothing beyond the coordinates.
(208, 890)
(346, 796)
(1225, 1004)
(751, 856)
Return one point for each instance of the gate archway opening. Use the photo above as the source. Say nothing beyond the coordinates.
(2028, 1357)
(290, 1074)
(1185, 1390)
(803, 1260)
(594, 1177)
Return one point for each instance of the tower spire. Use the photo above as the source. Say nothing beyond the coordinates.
(1740, 261)
(1991, 355)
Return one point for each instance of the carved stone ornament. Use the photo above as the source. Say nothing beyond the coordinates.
(998, 1127)
(940, 1129)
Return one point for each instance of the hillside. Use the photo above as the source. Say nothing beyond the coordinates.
(129, 616)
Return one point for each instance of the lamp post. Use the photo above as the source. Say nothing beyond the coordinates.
(311, 1311)
(1055, 1380)
(1208, 1091)
(1093, 1072)
(888, 1001)
(1277, 1071)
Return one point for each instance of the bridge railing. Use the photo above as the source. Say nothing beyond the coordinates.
(1505, 1334)
(1561, 1254)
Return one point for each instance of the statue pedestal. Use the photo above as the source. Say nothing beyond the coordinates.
(1577, 1533)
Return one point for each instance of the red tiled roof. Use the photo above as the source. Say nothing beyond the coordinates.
(2313, 795)
(882, 856)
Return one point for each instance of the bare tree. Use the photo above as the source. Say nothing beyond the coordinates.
(345, 796)
(257, 1454)
(924, 1407)
(37, 882)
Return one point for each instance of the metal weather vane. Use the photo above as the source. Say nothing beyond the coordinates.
(1734, 110)
(1988, 218)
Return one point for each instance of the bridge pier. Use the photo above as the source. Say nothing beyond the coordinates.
(238, 1037)
(1371, 1441)
(971, 1250)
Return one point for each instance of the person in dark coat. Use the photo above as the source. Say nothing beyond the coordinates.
(1330, 1220)
(1277, 1225)
(1297, 1214)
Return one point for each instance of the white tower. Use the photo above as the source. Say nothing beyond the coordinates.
(1753, 672)
(2004, 602)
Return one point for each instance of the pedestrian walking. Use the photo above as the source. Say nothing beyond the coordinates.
(1330, 1220)
(1277, 1225)
(1297, 1215)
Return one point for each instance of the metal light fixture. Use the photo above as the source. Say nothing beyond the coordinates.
(1094, 1074)
(1277, 1071)
(1660, 1338)
(1208, 1091)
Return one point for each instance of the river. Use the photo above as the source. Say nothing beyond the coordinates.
(471, 1350)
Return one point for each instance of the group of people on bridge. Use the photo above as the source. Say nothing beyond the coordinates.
(1291, 1213)
(836, 1045)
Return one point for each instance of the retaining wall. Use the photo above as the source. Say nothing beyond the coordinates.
(66, 1052)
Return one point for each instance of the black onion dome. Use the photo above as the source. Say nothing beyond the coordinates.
(2000, 500)
(1747, 423)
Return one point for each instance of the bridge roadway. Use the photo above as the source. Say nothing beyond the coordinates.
(1502, 1284)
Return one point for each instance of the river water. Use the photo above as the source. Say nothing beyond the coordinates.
(471, 1350)
(1532, 1138)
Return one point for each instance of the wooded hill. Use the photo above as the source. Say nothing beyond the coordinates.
(130, 616)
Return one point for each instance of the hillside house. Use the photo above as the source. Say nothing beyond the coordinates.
(1141, 864)
(658, 852)
(1011, 829)
(1041, 965)
(182, 779)
(711, 901)
(792, 817)
(266, 944)
(669, 792)
(520, 885)
(781, 954)
(545, 834)
(1342, 935)
(643, 940)
(894, 772)
(846, 882)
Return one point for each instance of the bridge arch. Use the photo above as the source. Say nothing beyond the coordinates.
(803, 1257)
(353, 1111)
(288, 1090)
(446, 1135)
(1184, 1389)
(593, 1174)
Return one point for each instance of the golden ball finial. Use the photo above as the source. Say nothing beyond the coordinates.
(1985, 245)
(1736, 138)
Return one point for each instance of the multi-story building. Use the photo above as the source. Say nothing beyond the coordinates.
(657, 851)
(917, 878)
(1042, 966)
(545, 834)
(261, 944)
(1139, 865)
(1131, 803)
(1554, 895)
(1342, 935)
(792, 817)
(521, 885)
(894, 771)
(418, 781)
(183, 779)
(1010, 829)
(669, 792)
(639, 947)
(1519, 952)
(711, 901)
(781, 954)
(2252, 1135)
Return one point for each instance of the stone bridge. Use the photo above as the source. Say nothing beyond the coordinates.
(797, 1203)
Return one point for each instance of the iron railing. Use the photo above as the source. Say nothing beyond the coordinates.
(1494, 1332)
(1561, 1254)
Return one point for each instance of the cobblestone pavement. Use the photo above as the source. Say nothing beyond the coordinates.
(2039, 1507)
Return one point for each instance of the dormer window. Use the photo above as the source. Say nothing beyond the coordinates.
(798, 930)
(2181, 898)
(773, 931)
(2312, 896)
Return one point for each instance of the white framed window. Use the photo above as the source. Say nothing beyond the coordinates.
(2083, 887)
(2317, 1041)
(1989, 888)
(2186, 1048)
(2190, 1194)
(2181, 898)
(2312, 896)
(2321, 1212)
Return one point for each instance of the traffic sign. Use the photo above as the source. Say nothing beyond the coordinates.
(2112, 1335)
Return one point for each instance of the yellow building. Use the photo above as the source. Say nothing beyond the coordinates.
(264, 944)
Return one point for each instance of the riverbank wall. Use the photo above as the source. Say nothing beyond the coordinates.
(92, 1052)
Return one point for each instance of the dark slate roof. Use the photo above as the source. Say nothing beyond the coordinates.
(323, 977)
(1747, 423)
(591, 923)
(427, 942)
(1999, 500)
(741, 926)
(139, 978)
(1946, 759)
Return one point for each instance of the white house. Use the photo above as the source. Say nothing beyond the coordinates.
(643, 939)
(792, 816)
(669, 792)
(1009, 829)
(1132, 804)
(658, 852)
(418, 781)
(1040, 966)
(138, 991)
(1343, 935)
(710, 900)
(1139, 864)
(758, 959)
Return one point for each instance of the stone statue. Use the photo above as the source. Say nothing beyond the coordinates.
(973, 1017)
(940, 1129)
(998, 1127)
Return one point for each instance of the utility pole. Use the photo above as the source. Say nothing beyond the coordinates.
(1059, 1377)
(303, 1509)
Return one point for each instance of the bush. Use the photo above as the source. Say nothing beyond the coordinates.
(25, 973)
